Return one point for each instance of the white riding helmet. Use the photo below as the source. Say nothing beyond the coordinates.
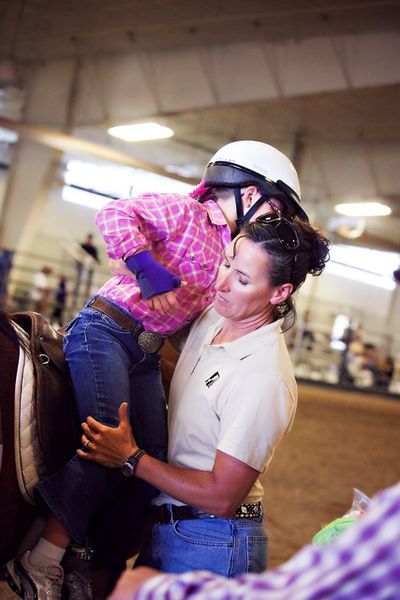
(250, 162)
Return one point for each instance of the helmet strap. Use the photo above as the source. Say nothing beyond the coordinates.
(239, 206)
(243, 218)
(240, 217)
(254, 208)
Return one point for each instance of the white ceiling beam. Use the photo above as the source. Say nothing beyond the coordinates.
(237, 73)
(63, 142)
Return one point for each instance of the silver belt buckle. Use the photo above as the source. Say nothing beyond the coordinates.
(149, 341)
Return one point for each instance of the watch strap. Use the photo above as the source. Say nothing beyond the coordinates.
(134, 459)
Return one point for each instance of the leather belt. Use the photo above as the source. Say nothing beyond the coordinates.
(148, 341)
(165, 513)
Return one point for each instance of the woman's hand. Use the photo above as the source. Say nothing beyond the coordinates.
(129, 582)
(108, 446)
(166, 304)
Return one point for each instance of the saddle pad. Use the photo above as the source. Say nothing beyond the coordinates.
(28, 456)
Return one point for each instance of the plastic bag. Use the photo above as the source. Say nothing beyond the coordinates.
(332, 530)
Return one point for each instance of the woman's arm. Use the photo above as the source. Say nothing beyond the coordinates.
(218, 492)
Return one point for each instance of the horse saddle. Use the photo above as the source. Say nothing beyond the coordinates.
(47, 429)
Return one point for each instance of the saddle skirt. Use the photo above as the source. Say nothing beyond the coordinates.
(29, 462)
(47, 429)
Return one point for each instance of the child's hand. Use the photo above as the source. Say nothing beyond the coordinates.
(118, 267)
(153, 278)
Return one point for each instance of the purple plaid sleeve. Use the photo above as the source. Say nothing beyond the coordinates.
(363, 563)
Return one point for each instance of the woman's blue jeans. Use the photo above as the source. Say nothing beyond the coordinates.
(107, 367)
(226, 547)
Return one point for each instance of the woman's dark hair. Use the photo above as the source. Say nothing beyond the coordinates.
(290, 263)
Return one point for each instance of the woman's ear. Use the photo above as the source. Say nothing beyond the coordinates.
(281, 293)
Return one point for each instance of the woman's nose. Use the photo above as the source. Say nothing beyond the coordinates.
(222, 282)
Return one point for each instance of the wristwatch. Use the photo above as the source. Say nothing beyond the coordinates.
(129, 465)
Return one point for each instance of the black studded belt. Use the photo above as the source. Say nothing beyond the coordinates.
(148, 341)
(165, 513)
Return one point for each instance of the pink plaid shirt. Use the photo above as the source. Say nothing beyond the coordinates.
(187, 237)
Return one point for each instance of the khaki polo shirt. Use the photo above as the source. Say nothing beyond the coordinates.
(239, 397)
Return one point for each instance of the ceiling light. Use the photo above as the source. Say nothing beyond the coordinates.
(363, 209)
(141, 132)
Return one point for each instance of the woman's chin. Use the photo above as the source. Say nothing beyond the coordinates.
(221, 306)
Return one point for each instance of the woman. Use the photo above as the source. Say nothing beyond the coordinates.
(233, 397)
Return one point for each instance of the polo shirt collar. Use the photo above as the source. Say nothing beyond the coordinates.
(249, 343)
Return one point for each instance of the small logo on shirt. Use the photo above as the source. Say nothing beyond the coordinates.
(212, 379)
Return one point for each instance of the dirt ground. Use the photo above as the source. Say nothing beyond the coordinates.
(339, 440)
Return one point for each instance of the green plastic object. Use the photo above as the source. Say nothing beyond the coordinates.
(332, 530)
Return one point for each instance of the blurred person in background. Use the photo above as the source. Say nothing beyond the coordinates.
(84, 267)
(386, 372)
(60, 298)
(40, 290)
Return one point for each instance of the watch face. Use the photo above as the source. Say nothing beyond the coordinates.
(127, 468)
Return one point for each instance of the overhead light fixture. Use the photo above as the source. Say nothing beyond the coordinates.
(363, 209)
(140, 132)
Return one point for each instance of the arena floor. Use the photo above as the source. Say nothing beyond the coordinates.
(339, 440)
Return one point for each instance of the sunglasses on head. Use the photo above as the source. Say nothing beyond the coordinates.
(285, 232)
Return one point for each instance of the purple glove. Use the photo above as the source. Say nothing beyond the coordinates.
(152, 277)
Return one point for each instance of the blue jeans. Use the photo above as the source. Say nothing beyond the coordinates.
(226, 547)
(107, 367)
